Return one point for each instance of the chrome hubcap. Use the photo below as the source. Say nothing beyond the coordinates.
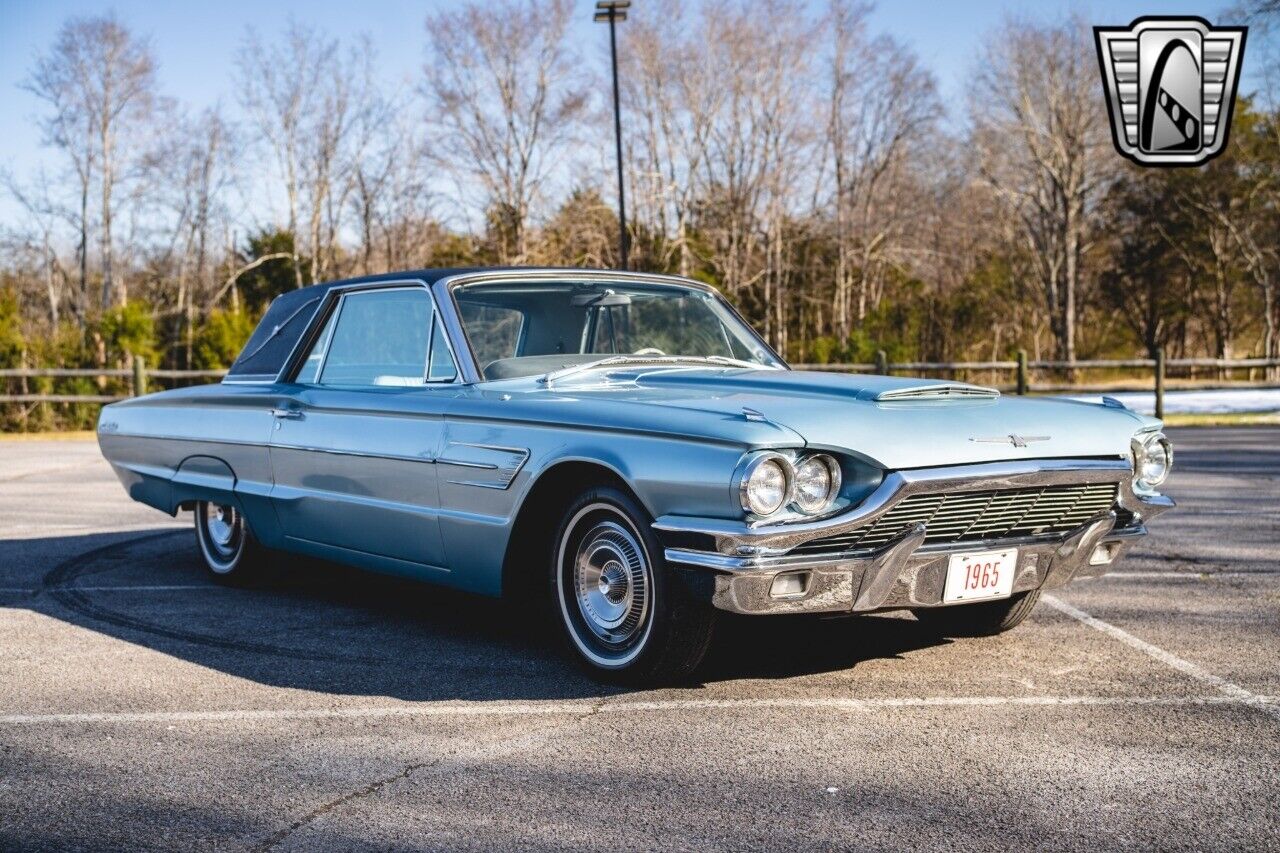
(222, 523)
(611, 583)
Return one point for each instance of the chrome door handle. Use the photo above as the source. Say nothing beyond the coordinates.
(287, 414)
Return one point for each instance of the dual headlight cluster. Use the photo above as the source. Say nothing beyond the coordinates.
(771, 482)
(1152, 459)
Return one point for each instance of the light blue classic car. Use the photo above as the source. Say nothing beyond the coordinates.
(624, 448)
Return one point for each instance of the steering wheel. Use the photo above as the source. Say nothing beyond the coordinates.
(649, 351)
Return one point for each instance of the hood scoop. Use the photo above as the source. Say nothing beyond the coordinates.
(932, 391)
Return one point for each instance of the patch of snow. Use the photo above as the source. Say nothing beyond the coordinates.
(1218, 402)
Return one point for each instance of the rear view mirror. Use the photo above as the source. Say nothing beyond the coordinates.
(607, 299)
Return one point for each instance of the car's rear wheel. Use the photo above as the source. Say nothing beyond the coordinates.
(231, 553)
(623, 614)
(979, 620)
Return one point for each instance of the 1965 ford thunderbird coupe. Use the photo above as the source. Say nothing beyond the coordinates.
(626, 447)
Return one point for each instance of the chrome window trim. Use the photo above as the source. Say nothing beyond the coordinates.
(457, 331)
(267, 380)
(339, 295)
(438, 323)
(335, 314)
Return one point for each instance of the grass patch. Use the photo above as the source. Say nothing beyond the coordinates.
(70, 435)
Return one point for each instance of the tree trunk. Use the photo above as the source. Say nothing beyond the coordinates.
(108, 182)
(84, 247)
(50, 287)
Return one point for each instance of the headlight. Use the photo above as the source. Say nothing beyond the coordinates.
(766, 484)
(1152, 459)
(817, 482)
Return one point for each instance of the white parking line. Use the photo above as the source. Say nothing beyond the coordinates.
(1187, 576)
(586, 706)
(1265, 704)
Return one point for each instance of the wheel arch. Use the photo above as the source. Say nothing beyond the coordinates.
(201, 477)
(539, 515)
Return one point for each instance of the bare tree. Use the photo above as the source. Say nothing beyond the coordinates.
(195, 165)
(1040, 132)
(503, 91)
(281, 88)
(390, 193)
(671, 96)
(754, 52)
(883, 111)
(99, 80)
(42, 217)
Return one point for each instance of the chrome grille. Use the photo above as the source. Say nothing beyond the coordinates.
(975, 516)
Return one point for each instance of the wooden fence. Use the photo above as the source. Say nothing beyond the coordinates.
(139, 375)
(1021, 369)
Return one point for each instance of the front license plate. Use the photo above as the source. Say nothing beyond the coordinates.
(971, 577)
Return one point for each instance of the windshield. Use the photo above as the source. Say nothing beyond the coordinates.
(534, 328)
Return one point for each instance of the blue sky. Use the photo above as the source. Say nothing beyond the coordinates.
(195, 42)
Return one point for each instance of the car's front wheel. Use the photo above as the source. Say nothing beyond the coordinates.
(623, 613)
(231, 553)
(979, 620)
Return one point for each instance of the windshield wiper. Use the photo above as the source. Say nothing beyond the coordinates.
(617, 360)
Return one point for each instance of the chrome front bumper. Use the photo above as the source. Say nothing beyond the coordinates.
(739, 574)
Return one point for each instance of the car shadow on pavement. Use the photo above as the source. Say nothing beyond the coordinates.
(328, 628)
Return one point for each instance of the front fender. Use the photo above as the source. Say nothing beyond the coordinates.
(668, 474)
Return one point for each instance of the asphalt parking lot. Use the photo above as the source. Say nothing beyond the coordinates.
(142, 707)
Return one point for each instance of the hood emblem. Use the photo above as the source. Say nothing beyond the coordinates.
(1015, 440)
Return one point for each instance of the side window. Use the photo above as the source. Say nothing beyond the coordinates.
(442, 368)
(380, 338)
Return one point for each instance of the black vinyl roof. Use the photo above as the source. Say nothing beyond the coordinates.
(289, 315)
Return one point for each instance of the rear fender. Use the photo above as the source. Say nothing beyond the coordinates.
(208, 478)
(203, 478)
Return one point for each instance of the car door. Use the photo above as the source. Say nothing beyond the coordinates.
(356, 438)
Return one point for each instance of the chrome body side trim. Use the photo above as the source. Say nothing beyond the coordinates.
(503, 463)
(424, 457)
(188, 438)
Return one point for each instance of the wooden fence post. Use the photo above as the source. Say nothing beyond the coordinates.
(1022, 372)
(1160, 383)
(882, 362)
(139, 376)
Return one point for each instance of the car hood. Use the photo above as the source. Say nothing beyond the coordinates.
(891, 421)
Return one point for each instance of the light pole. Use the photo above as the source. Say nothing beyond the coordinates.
(611, 12)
